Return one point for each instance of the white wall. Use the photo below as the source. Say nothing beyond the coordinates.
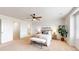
(54, 23)
(24, 29)
(7, 28)
(67, 24)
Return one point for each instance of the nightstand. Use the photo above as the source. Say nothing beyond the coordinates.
(54, 36)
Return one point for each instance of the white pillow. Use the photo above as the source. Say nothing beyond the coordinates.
(43, 36)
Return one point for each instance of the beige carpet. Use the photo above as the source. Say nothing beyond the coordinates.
(24, 45)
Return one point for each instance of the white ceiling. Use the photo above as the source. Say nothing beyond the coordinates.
(45, 12)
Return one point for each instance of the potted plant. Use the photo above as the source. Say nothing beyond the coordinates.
(62, 31)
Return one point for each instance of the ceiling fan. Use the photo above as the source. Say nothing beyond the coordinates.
(35, 17)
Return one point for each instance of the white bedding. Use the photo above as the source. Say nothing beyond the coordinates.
(39, 40)
(46, 37)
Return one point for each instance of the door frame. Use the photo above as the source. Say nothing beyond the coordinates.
(16, 26)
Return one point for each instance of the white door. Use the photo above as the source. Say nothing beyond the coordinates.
(72, 30)
(6, 31)
(16, 31)
(77, 31)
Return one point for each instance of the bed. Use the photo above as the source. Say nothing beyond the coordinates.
(44, 37)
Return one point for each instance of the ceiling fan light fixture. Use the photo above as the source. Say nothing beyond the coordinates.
(34, 19)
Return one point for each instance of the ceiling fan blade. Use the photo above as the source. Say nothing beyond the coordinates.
(35, 17)
(38, 17)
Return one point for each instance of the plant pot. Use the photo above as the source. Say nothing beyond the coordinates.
(62, 39)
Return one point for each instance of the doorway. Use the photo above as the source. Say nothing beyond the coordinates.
(16, 31)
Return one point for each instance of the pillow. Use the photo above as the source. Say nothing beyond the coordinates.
(44, 32)
(37, 36)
